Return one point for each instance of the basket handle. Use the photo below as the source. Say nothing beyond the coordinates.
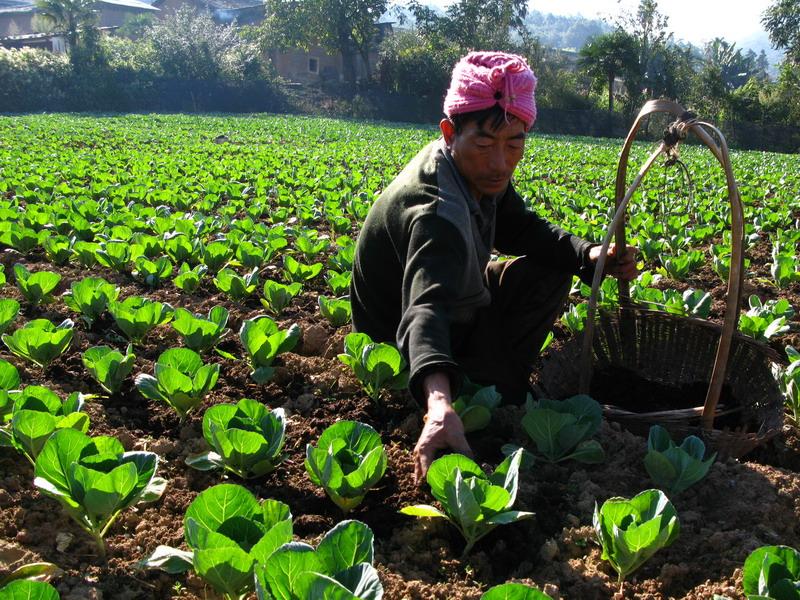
(677, 131)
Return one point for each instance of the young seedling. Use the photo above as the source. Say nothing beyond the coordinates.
(347, 461)
(109, 366)
(339, 283)
(246, 439)
(181, 380)
(632, 530)
(475, 503)
(789, 381)
(475, 405)
(675, 468)
(136, 316)
(263, 342)
(772, 572)
(9, 309)
(152, 272)
(188, 279)
(9, 380)
(89, 297)
(216, 255)
(37, 413)
(201, 333)
(36, 287)
(228, 531)
(297, 272)
(277, 296)
(336, 310)
(238, 287)
(561, 429)
(95, 479)
(514, 591)
(377, 366)
(26, 589)
(40, 341)
(339, 568)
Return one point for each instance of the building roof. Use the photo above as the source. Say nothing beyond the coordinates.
(10, 6)
(129, 4)
(13, 6)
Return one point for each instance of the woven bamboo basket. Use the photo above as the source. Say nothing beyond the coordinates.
(743, 404)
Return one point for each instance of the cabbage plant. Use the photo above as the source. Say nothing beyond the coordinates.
(561, 429)
(632, 530)
(216, 255)
(109, 366)
(475, 405)
(36, 288)
(772, 572)
(94, 479)
(246, 439)
(337, 311)
(37, 413)
(181, 380)
(339, 568)
(347, 461)
(339, 283)
(264, 341)
(188, 279)
(514, 591)
(201, 333)
(152, 272)
(377, 366)
(238, 287)
(89, 297)
(474, 502)
(40, 341)
(136, 316)
(675, 468)
(58, 249)
(27, 589)
(277, 296)
(297, 272)
(9, 381)
(227, 531)
(9, 309)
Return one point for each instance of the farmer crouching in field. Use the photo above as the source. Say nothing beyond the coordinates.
(422, 274)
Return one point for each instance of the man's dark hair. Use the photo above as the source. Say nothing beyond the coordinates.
(495, 116)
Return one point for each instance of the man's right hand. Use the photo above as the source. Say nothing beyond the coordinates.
(443, 427)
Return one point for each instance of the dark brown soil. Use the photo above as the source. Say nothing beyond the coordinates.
(739, 506)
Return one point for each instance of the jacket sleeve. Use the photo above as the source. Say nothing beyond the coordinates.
(431, 282)
(521, 232)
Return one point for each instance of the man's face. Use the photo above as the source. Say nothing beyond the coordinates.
(486, 157)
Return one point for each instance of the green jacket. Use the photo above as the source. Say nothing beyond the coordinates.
(421, 255)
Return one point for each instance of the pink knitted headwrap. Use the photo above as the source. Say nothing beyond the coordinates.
(483, 79)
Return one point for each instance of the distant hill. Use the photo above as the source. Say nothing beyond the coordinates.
(558, 31)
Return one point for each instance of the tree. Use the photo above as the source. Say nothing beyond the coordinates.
(475, 24)
(782, 22)
(344, 26)
(607, 57)
(648, 26)
(69, 17)
(191, 47)
(735, 68)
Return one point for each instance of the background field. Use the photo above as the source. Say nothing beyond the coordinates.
(223, 176)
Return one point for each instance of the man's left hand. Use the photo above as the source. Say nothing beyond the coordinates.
(621, 265)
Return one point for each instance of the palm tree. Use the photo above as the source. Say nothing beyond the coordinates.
(608, 56)
(68, 17)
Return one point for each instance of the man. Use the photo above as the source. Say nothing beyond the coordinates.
(422, 274)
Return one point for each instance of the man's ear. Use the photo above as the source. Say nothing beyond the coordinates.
(448, 130)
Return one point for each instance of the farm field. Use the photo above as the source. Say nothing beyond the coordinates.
(226, 200)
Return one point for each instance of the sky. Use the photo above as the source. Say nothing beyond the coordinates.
(695, 21)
